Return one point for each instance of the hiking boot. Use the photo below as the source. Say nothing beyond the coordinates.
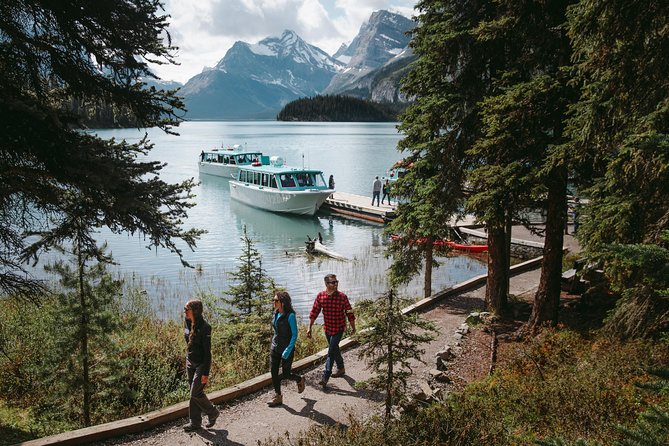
(212, 419)
(190, 427)
(300, 385)
(276, 401)
(323, 383)
(339, 373)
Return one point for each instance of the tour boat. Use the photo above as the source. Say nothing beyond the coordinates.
(451, 244)
(276, 187)
(225, 162)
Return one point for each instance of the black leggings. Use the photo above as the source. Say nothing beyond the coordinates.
(276, 361)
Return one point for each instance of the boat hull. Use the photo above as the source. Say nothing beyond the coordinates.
(227, 171)
(451, 244)
(300, 202)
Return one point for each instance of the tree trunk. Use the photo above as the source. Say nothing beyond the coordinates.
(429, 252)
(84, 339)
(497, 290)
(509, 230)
(547, 297)
(390, 374)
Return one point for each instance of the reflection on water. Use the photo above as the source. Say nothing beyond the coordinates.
(353, 152)
(280, 230)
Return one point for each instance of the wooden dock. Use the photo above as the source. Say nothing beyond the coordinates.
(359, 206)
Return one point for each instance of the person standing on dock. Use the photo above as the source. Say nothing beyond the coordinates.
(376, 191)
(386, 192)
(197, 333)
(574, 212)
(336, 308)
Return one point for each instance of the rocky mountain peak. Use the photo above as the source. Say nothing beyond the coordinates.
(254, 80)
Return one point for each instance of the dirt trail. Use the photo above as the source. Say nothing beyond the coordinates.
(248, 420)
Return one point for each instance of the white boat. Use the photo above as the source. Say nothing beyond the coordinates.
(225, 162)
(279, 188)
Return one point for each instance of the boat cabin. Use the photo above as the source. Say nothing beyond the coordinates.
(276, 175)
(230, 156)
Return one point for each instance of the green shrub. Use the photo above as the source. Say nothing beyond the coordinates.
(557, 386)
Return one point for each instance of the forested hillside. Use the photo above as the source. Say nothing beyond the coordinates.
(338, 108)
(100, 115)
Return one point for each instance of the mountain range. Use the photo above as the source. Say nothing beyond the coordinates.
(254, 81)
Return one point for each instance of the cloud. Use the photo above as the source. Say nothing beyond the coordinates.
(205, 29)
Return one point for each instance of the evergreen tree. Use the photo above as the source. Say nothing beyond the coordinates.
(620, 138)
(450, 78)
(620, 124)
(251, 296)
(639, 273)
(522, 161)
(87, 321)
(652, 426)
(390, 341)
(54, 52)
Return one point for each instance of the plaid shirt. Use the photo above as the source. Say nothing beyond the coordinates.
(336, 309)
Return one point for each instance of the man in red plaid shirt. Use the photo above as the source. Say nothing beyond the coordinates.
(336, 308)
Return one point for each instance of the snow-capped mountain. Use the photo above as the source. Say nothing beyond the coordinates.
(381, 41)
(256, 80)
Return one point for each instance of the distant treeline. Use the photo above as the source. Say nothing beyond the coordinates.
(100, 115)
(339, 108)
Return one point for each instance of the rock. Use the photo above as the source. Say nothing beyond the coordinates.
(445, 354)
(435, 373)
(426, 389)
(443, 378)
(458, 337)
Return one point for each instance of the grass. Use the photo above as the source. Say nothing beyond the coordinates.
(558, 385)
(147, 371)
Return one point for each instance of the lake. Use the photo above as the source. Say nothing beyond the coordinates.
(353, 152)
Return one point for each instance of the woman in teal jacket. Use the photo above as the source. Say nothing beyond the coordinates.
(283, 346)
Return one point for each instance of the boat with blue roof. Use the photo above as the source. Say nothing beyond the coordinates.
(272, 185)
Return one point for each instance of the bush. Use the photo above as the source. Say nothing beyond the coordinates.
(558, 385)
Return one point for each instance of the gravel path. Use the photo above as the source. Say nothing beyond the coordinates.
(249, 420)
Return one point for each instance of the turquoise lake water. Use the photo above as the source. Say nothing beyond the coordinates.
(353, 152)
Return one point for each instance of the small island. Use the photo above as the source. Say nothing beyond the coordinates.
(339, 108)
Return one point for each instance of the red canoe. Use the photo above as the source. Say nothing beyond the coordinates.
(451, 244)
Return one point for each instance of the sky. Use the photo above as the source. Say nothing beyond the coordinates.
(204, 30)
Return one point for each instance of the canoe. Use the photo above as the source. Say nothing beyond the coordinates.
(451, 244)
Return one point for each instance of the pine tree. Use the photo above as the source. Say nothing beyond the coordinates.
(390, 341)
(619, 130)
(620, 124)
(450, 78)
(55, 52)
(251, 296)
(523, 164)
(87, 319)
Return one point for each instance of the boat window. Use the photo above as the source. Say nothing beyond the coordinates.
(272, 181)
(256, 177)
(305, 179)
(265, 179)
(320, 180)
(242, 176)
(287, 180)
